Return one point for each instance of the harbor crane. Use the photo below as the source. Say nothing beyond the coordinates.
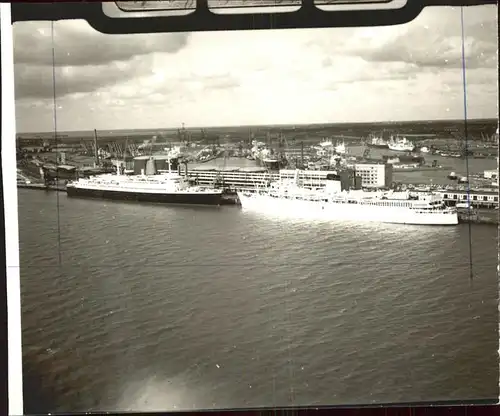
(461, 143)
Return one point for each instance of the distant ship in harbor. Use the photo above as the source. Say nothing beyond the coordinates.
(327, 147)
(166, 187)
(401, 144)
(326, 143)
(265, 157)
(377, 141)
(403, 158)
(268, 161)
(340, 148)
(334, 204)
(272, 163)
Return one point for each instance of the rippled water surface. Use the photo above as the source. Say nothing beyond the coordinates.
(148, 307)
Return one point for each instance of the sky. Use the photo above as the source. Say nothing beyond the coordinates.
(334, 75)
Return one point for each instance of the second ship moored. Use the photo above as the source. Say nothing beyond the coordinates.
(334, 204)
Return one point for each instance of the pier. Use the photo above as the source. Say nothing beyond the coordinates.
(478, 198)
(484, 203)
(478, 216)
(41, 186)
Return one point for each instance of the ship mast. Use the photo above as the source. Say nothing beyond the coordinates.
(96, 149)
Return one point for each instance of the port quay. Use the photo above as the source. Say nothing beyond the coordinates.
(371, 164)
(484, 201)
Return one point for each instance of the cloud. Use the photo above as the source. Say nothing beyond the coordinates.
(213, 81)
(77, 44)
(438, 43)
(220, 82)
(39, 81)
(255, 77)
(84, 60)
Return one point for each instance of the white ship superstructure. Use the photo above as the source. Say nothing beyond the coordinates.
(332, 204)
(401, 144)
(340, 148)
(377, 141)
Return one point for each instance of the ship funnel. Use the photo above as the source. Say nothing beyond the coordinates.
(333, 186)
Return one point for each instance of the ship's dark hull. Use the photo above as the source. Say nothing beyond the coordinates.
(195, 198)
(279, 164)
(411, 159)
(405, 158)
(378, 146)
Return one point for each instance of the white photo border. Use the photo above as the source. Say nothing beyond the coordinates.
(15, 371)
(14, 342)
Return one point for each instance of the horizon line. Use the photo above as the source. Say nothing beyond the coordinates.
(265, 125)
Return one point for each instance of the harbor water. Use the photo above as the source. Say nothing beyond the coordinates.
(148, 307)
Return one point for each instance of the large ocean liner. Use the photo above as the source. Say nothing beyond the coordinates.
(167, 187)
(331, 203)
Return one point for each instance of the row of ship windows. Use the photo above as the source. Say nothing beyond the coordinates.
(434, 211)
(340, 201)
(485, 198)
(122, 183)
(389, 204)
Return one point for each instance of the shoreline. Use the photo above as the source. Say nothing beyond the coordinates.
(399, 169)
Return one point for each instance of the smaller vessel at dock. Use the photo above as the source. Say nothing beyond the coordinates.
(340, 148)
(377, 141)
(326, 143)
(272, 163)
(403, 158)
(401, 144)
